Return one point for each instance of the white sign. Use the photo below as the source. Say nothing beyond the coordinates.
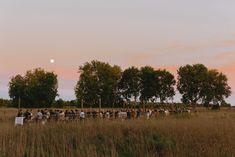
(19, 121)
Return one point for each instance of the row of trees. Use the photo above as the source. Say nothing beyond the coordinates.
(102, 83)
(196, 83)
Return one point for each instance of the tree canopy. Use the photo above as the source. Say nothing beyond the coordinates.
(216, 88)
(166, 83)
(197, 84)
(129, 84)
(37, 88)
(98, 81)
(148, 84)
(190, 82)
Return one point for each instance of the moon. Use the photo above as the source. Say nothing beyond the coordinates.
(52, 61)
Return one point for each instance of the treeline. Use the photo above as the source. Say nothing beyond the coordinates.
(103, 84)
(5, 103)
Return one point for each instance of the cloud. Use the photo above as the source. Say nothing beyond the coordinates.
(225, 55)
(228, 68)
(173, 69)
(228, 42)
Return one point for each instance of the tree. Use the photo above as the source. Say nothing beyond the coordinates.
(98, 80)
(60, 103)
(165, 83)
(216, 88)
(17, 90)
(129, 85)
(148, 84)
(37, 88)
(191, 79)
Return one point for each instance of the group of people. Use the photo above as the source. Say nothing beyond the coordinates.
(66, 115)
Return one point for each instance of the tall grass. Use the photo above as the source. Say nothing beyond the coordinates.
(208, 134)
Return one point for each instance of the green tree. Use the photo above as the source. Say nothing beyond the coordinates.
(98, 80)
(166, 83)
(191, 79)
(129, 85)
(216, 88)
(148, 84)
(37, 88)
(17, 90)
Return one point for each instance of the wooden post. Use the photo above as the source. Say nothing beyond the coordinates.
(82, 103)
(99, 104)
(19, 103)
(144, 106)
(135, 103)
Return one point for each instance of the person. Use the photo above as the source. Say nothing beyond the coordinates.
(138, 113)
(101, 114)
(107, 114)
(27, 116)
(82, 115)
(116, 114)
(31, 114)
(94, 114)
(20, 114)
(66, 114)
(39, 115)
(133, 114)
(61, 116)
(76, 114)
(128, 114)
(148, 114)
(47, 115)
(73, 114)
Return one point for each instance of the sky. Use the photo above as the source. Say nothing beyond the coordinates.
(160, 33)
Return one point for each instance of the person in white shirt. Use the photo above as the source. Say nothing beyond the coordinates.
(107, 115)
(39, 115)
(82, 115)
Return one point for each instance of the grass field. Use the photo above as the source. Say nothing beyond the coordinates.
(202, 134)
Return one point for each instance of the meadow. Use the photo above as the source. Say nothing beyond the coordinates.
(205, 133)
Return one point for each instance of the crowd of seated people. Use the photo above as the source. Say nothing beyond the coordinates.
(47, 115)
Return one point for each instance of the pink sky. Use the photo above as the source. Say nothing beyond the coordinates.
(162, 34)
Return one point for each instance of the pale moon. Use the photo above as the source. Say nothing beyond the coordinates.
(52, 60)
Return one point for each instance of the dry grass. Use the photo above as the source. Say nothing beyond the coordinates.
(204, 134)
